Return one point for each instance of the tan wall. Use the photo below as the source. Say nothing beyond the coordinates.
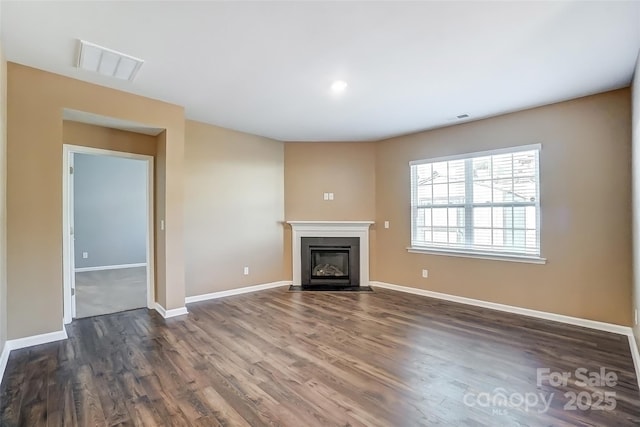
(586, 151)
(345, 169)
(36, 100)
(635, 127)
(585, 210)
(315, 168)
(86, 135)
(234, 209)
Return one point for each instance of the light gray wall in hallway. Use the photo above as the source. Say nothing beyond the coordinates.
(110, 210)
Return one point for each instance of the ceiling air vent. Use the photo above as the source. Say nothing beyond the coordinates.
(108, 62)
(462, 116)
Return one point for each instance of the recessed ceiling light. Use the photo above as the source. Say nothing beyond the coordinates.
(107, 62)
(338, 86)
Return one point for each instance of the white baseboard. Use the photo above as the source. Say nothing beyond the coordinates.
(110, 267)
(19, 343)
(170, 313)
(37, 340)
(635, 354)
(593, 324)
(4, 358)
(238, 291)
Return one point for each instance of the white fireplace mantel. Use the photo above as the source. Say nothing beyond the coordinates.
(330, 229)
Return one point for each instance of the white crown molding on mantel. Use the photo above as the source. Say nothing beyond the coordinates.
(323, 225)
(302, 229)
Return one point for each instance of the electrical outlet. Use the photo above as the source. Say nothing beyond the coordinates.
(246, 271)
(386, 224)
(425, 273)
(326, 196)
(85, 255)
(330, 196)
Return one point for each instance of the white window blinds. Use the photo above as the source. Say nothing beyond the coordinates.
(485, 202)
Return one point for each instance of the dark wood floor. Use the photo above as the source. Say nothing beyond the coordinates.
(313, 359)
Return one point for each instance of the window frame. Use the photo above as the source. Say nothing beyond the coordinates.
(443, 249)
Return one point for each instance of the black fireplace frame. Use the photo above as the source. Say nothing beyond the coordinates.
(350, 244)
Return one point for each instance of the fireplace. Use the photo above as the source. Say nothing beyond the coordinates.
(358, 259)
(330, 262)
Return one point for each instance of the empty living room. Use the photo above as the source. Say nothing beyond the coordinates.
(319, 213)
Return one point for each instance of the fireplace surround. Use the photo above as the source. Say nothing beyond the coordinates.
(340, 229)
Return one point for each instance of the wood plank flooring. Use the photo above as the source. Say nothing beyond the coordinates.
(278, 358)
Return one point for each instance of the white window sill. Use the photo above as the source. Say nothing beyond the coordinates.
(480, 255)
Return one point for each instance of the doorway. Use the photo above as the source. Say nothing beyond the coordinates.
(108, 231)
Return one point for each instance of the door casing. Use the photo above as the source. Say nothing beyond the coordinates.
(68, 251)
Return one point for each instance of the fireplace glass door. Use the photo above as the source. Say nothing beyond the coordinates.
(330, 263)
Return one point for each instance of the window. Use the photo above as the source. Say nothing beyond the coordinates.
(483, 203)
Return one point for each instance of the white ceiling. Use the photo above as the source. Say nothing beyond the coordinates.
(266, 67)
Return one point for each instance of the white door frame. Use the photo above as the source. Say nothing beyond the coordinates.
(68, 260)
